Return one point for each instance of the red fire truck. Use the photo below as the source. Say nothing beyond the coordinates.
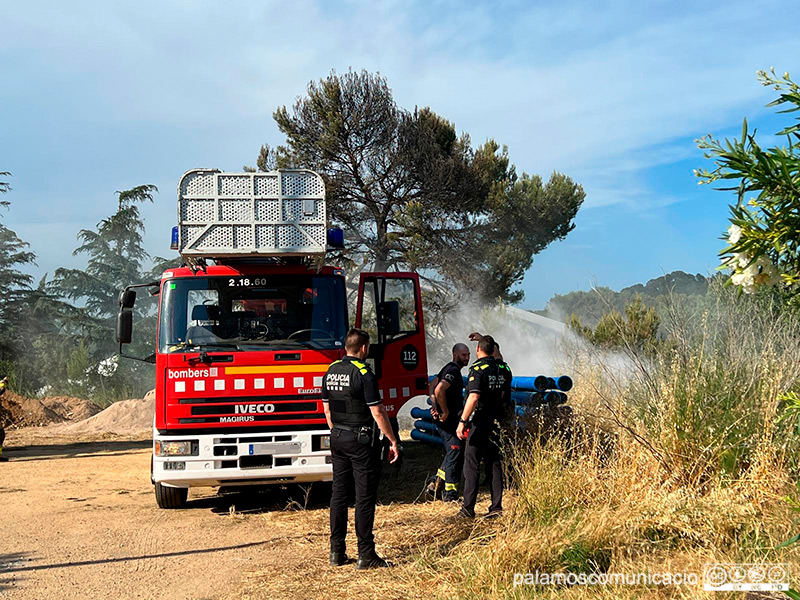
(247, 329)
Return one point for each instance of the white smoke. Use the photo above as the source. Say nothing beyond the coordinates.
(531, 345)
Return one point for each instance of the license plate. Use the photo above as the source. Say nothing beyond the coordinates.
(286, 448)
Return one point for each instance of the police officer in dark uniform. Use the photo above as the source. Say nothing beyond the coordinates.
(355, 415)
(488, 405)
(448, 400)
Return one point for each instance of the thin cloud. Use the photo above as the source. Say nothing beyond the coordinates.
(103, 96)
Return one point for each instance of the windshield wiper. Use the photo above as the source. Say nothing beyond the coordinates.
(187, 345)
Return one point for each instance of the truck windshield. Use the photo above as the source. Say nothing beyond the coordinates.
(257, 311)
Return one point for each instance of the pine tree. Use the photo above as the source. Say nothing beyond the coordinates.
(14, 287)
(116, 256)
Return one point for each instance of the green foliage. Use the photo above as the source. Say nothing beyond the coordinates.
(57, 337)
(14, 284)
(764, 237)
(410, 193)
(710, 399)
(115, 256)
(637, 330)
(87, 364)
(657, 293)
(4, 187)
(580, 557)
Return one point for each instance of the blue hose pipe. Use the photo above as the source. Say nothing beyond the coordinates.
(554, 398)
(421, 436)
(530, 384)
(528, 398)
(564, 383)
(431, 428)
(421, 413)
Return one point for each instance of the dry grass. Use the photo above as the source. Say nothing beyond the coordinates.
(580, 512)
(672, 461)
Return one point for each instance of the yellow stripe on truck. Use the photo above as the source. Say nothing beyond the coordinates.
(276, 369)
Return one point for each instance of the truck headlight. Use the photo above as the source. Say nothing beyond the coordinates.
(175, 448)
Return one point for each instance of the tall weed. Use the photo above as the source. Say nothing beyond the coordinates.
(673, 459)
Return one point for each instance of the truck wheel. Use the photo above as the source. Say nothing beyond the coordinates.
(170, 497)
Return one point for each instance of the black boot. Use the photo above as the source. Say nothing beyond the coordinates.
(370, 562)
(338, 558)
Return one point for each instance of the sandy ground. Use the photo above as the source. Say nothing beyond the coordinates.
(80, 521)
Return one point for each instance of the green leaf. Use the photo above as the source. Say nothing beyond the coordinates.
(792, 540)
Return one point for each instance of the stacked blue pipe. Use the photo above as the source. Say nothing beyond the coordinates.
(421, 436)
(528, 393)
(425, 430)
(540, 383)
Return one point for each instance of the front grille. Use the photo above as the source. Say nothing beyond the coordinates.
(258, 461)
(250, 399)
(278, 407)
(253, 418)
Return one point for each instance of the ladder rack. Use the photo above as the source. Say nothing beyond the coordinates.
(239, 215)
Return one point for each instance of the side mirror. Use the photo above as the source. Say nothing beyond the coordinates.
(127, 298)
(125, 325)
(389, 318)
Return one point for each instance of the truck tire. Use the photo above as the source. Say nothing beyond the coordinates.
(170, 497)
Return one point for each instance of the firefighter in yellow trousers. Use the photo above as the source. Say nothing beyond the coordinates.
(3, 385)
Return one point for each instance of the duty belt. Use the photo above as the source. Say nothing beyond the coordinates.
(353, 428)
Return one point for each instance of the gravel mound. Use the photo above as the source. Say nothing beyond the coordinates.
(19, 411)
(124, 417)
(71, 409)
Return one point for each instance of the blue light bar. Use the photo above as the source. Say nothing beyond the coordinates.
(335, 238)
(174, 244)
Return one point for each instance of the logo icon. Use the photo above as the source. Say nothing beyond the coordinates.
(746, 577)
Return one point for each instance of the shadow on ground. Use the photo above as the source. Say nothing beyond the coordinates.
(402, 484)
(10, 563)
(74, 450)
(15, 563)
(406, 484)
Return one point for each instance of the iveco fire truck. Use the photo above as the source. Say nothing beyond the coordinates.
(248, 326)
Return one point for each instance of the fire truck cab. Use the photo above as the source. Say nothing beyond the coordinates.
(248, 327)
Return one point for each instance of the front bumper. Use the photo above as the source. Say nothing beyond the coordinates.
(245, 459)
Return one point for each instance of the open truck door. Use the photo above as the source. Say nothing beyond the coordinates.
(390, 309)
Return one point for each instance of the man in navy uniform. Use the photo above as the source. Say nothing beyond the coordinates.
(448, 400)
(355, 415)
(488, 406)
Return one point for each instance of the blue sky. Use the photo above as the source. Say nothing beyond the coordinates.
(103, 96)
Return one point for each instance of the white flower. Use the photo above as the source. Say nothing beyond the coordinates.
(108, 367)
(742, 259)
(749, 277)
(734, 234)
(741, 278)
(769, 274)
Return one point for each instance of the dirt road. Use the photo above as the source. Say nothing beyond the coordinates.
(79, 521)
